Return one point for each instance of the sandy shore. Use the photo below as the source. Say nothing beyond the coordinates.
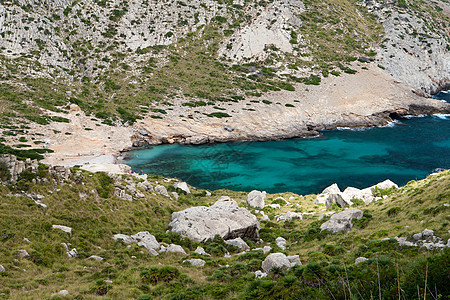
(368, 98)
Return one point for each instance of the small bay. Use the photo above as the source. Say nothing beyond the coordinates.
(409, 149)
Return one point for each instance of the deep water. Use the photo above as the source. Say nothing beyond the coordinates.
(409, 149)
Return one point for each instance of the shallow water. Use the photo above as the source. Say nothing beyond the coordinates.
(410, 149)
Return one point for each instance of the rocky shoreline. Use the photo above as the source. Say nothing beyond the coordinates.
(142, 137)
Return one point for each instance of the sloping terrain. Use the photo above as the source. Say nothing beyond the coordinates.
(91, 206)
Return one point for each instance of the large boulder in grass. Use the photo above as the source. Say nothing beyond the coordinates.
(279, 260)
(224, 218)
(256, 199)
(342, 221)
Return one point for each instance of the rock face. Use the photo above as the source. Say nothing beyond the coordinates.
(271, 27)
(421, 58)
(256, 199)
(278, 260)
(224, 218)
(341, 221)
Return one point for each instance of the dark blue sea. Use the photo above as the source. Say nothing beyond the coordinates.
(407, 149)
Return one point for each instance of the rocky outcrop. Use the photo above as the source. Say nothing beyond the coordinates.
(279, 260)
(14, 167)
(332, 194)
(342, 221)
(271, 28)
(224, 218)
(414, 48)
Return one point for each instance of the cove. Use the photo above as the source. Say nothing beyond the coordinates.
(410, 149)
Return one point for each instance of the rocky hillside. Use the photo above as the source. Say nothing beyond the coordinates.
(121, 60)
(71, 233)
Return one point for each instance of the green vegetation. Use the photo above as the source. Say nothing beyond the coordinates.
(87, 203)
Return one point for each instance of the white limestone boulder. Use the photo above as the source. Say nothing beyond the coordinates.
(224, 218)
(278, 260)
(256, 199)
(342, 221)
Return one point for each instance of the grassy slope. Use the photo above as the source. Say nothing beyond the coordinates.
(326, 258)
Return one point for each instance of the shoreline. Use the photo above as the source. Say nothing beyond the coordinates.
(366, 99)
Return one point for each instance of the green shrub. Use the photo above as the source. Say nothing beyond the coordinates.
(393, 211)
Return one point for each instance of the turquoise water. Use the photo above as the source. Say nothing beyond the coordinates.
(410, 149)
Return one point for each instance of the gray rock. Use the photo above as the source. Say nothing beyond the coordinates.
(331, 195)
(23, 253)
(403, 242)
(342, 221)
(354, 193)
(294, 260)
(256, 199)
(327, 214)
(275, 260)
(266, 249)
(195, 262)
(63, 293)
(162, 190)
(122, 194)
(63, 228)
(2, 268)
(72, 253)
(228, 128)
(201, 251)
(95, 257)
(175, 195)
(238, 242)
(153, 252)
(384, 185)
(145, 185)
(417, 236)
(208, 193)
(259, 274)
(125, 238)
(427, 233)
(281, 242)
(288, 216)
(182, 186)
(176, 249)
(149, 243)
(360, 260)
(224, 218)
(26, 240)
(143, 132)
